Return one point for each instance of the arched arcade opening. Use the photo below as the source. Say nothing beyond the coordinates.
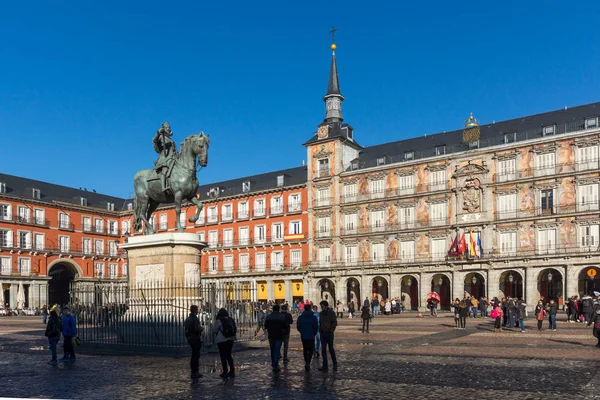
(62, 275)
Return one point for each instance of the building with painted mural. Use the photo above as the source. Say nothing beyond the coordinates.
(520, 195)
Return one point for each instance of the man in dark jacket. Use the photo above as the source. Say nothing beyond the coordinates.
(276, 326)
(308, 326)
(365, 314)
(69, 331)
(521, 312)
(327, 328)
(595, 319)
(552, 309)
(193, 330)
(286, 339)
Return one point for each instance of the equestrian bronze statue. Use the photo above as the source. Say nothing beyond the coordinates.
(172, 180)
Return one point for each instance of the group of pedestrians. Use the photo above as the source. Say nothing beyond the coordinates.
(55, 327)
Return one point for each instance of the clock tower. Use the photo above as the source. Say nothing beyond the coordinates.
(333, 99)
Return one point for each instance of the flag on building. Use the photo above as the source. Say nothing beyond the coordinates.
(454, 247)
(462, 245)
(472, 244)
(479, 246)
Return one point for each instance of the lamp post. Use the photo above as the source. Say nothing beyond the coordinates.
(511, 279)
(440, 281)
(549, 279)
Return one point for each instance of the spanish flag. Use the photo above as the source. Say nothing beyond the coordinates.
(472, 244)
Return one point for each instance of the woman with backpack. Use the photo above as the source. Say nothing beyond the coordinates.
(224, 329)
(53, 329)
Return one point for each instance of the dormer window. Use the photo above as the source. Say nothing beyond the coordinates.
(83, 201)
(2, 188)
(474, 145)
(349, 134)
(354, 165)
(246, 186)
(409, 155)
(440, 150)
(510, 137)
(213, 192)
(548, 130)
(591, 123)
(381, 161)
(110, 206)
(280, 180)
(36, 194)
(129, 206)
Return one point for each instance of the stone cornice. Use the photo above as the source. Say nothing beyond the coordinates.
(437, 167)
(500, 192)
(507, 228)
(586, 180)
(545, 149)
(437, 200)
(322, 153)
(586, 142)
(587, 221)
(378, 176)
(511, 155)
(546, 225)
(406, 172)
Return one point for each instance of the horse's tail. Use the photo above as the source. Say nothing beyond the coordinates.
(137, 215)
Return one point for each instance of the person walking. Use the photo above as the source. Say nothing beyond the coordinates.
(315, 310)
(456, 307)
(308, 326)
(475, 306)
(540, 314)
(327, 328)
(552, 308)
(595, 319)
(365, 314)
(69, 331)
(225, 330)
(53, 329)
(521, 314)
(44, 314)
(193, 332)
(286, 339)
(276, 326)
(340, 310)
(351, 310)
(497, 315)
(463, 312)
(376, 306)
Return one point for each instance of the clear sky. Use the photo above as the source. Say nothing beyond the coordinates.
(85, 85)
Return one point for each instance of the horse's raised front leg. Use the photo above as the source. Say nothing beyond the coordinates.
(198, 204)
(152, 206)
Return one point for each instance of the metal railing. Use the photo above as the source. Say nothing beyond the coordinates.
(232, 242)
(152, 314)
(413, 224)
(557, 169)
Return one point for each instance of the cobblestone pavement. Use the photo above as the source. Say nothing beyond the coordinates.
(402, 357)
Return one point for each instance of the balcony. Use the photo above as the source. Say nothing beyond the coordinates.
(323, 202)
(163, 226)
(324, 233)
(25, 220)
(557, 169)
(437, 186)
(294, 208)
(259, 213)
(212, 219)
(374, 228)
(276, 210)
(66, 226)
(227, 217)
(569, 208)
(87, 228)
(98, 229)
(323, 172)
(250, 241)
(241, 215)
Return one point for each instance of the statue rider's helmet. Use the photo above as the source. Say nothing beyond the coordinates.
(166, 129)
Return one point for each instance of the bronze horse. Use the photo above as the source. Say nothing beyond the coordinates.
(183, 184)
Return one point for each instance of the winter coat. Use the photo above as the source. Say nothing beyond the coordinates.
(521, 310)
(365, 312)
(540, 313)
(552, 308)
(218, 328)
(53, 328)
(307, 325)
(69, 327)
(340, 307)
(276, 326)
(328, 321)
(351, 307)
(290, 320)
(463, 311)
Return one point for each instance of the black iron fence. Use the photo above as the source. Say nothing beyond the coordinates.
(153, 313)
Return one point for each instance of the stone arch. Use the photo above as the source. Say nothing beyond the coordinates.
(475, 288)
(513, 288)
(77, 269)
(379, 286)
(353, 292)
(550, 283)
(585, 284)
(409, 291)
(326, 289)
(62, 272)
(444, 289)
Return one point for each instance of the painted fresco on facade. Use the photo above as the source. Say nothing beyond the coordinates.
(525, 163)
(422, 245)
(566, 198)
(363, 185)
(391, 183)
(422, 178)
(391, 215)
(422, 212)
(526, 237)
(324, 150)
(392, 249)
(526, 199)
(566, 156)
(363, 217)
(568, 232)
(364, 251)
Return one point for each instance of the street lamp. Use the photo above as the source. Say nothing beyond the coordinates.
(440, 281)
(325, 285)
(409, 281)
(474, 280)
(380, 282)
(549, 276)
(353, 284)
(511, 278)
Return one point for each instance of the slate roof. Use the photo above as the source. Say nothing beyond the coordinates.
(529, 127)
(336, 130)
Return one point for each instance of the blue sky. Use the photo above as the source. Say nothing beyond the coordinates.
(85, 85)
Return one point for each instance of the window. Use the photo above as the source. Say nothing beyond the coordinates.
(23, 214)
(377, 219)
(183, 218)
(2, 188)
(544, 164)
(437, 180)
(5, 212)
(228, 263)
(227, 237)
(547, 201)
(99, 247)
(510, 137)
(36, 194)
(64, 221)
(87, 246)
(440, 150)
(64, 243)
(506, 171)
(438, 214)
(260, 261)
(474, 145)
(87, 224)
(113, 250)
(587, 197)
(407, 217)
(246, 186)
(38, 241)
(212, 214)
(295, 228)
(244, 262)
(5, 265)
(83, 201)
(213, 238)
(110, 206)
(213, 264)
(296, 258)
(350, 224)
(351, 255)
(381, 161)
(349, 192)
(589, 236)
(324, 256)
(277, 260)
(40, 216)
(259, 207)
(6, 239)
(507, 206)
(377, 188)
(277, 232)
(162, 222)
(113, 270)
(406, 184)
(125, 227)
(227, 213)
(24, 266)
(354, 165)
(124, 270)
(99, 225)
(508, 244)
(587, 158)
(409, 155)
(244, 235)
(378, 253)
(294, 203)
(407, 251)
(548, 130)
(323, 167)
(260, 234)
(24, 240)
(591, 123)
(243, 210)
(324, 226)
(201, 236)
(438, 249)
(129, 206)
(276, 205)
(280, 180)
(546, 241)
(322, 197)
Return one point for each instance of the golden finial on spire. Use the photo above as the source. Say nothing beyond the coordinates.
(471, 122)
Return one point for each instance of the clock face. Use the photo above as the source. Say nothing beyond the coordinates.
(323, 131)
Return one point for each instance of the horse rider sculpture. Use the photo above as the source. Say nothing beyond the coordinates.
(167, 150)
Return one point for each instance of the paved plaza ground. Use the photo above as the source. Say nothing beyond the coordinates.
(402, 357)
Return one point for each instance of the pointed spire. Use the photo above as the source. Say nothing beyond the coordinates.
(334, 83)
(333, 99)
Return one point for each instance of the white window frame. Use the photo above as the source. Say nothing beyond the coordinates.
(6, 265)
(36, 194)
(378, 253)
(548, 130)
(277, 232)
(507, 206)
(438, 180)
(9, 238)
(506, 170)
(163, 222)
(212, 215)
(2, 188)
(350, 224)
(546, 241)
(99, 225)
(323, 197)
(99, 269)
(276, 205)
(64, 244)
(507, 244)
(351, 254)
(587, 197)
(28, 239)
(23, 214)
(296, 258)
(588, 237)
(406, 184)
(294, 202)
(324, 256)
(124, 269)
(244, 235)
(350, 192)
(280, 180)
(113, 249)
(587, 158)
(277, 260)
(86, 246)
(64, 221)
(6, 212)
(438, 249)
(113, 270)
(407, 217)
(407, 251)
(545, 164)
(244, 260)
(213, 264)
(38, 244)
(228, 237)
(591, 123)
(228, 263)
(213, 238)
(260, 261)
(24, 266)
(438, 213)
(324, 226)
(260, 234)
(99, 247)
(323, 168)
(227, 212)
(295, 227)
(259, 207)
(125, 227)
(242, 208)
(377, 220)
(377, 188)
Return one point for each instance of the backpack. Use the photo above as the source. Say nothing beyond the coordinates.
(228, 327)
